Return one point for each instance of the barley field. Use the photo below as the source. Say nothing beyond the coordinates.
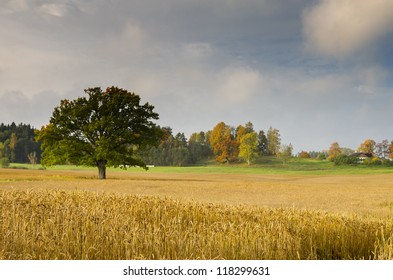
(70, 215)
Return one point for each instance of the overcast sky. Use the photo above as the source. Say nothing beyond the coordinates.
(318, 70)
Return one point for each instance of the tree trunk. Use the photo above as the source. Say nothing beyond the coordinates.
(101, 169)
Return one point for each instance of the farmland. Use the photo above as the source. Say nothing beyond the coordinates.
(197, 213)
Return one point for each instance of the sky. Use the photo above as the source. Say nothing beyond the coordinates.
(320, 71)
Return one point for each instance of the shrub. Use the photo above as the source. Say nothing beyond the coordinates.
(376, 161)
(304, 154)
(372, 161)
(387, 162)
(4, 162)
(345, 160)
(322, 156)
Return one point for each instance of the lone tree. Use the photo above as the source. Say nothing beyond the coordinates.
(104, 129)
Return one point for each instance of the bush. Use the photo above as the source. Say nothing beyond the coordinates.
(304, 154)
(372, 161)
(387, 162)
(4, 162)
(345, 160)
(322, 156)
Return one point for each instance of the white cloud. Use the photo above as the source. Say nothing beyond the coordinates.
(57, 10)
(238, 85)
(340, 28)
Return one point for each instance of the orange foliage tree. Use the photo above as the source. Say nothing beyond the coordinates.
(334, 151)
(367, 146)
(223, 143)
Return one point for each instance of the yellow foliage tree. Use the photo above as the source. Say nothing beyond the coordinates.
(334, 151)
(249, 147)
(367, 146)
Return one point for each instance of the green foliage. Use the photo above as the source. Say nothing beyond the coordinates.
(17, 142)
(372, 161)
(285, 152)
(262, 143)
(343, 159)
(322, 156)
(4, 162)
(387, 162)
(273, 141)
(199, 147)
(104, 129)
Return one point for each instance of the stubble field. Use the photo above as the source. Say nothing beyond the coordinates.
(53, 214)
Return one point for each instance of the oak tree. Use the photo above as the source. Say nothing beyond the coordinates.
(106, 128)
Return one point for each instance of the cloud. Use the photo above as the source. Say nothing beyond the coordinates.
(57, 10)
(197, 50)
(238, 85)
(340, 28)
(20, 108)
(201, 62)
(14, 6)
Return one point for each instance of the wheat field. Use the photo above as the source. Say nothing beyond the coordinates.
(69, 215)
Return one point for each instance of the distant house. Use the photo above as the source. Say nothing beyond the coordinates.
(362, 156)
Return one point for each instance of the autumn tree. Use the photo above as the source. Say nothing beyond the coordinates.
(334, 151)
(240, 132)
(223, 143)
(367, 146)
(304, 154)
(248, 149)
(12, 145)
(106, 128)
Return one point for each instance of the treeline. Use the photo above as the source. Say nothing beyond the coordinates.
(17, 144)
(224, 143)
(369, 153)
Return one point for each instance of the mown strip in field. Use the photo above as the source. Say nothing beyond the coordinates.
(87, 225)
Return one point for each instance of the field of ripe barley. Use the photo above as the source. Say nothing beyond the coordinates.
(93, 225)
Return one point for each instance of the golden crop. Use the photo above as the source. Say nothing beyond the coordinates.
(55, 224)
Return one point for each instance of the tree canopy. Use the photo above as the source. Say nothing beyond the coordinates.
(17, 143)
(106, 128)
(249, 147)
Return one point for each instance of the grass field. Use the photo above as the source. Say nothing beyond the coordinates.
(206, 212)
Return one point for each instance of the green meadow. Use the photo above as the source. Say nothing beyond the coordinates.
(268, 165)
